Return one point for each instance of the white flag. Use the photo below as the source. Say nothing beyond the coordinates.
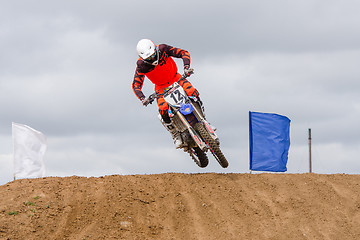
(29, 150)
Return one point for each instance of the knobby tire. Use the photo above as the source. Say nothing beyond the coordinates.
(212, 144)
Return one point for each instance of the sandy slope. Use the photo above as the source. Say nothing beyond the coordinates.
(183, 206)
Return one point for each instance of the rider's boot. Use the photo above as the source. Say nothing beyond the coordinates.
(203, 110)
(175, 135)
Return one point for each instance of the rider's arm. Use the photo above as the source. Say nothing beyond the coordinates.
(141, 69)
(138, 84)
(177, 52)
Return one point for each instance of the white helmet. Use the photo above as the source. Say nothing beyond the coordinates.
(148, 52)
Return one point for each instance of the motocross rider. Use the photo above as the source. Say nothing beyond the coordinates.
(156, 63)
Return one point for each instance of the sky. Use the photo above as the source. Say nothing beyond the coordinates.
(66, 69)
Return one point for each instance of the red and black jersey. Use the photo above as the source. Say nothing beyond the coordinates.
(162, 75)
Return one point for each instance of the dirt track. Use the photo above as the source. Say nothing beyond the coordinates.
(183, 206)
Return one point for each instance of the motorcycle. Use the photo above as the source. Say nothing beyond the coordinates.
(187, 116)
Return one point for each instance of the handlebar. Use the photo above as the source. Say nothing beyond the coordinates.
(152, 97)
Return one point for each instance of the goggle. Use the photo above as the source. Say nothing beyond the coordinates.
(152, 58)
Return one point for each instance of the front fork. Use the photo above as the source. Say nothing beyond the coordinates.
(192, 132)
(200, 117)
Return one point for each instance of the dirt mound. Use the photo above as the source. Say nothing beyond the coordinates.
(182, 206)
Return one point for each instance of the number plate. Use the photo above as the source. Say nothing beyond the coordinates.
(176, 95)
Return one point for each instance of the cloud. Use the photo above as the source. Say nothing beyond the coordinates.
(66, 69)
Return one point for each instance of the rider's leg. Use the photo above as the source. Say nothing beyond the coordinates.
(166, 121)
(189, 88)
(191, 91)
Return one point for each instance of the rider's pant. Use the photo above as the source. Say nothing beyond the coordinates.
(164, 107)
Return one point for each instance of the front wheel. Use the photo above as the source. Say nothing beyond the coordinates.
(214, 147)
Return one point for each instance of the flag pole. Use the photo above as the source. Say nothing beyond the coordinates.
(310, 164)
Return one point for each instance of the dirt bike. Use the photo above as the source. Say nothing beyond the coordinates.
(188, 118)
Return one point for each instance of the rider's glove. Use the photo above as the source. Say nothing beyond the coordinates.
(145, 101)
(188, 71)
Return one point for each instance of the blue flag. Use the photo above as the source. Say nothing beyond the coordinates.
(269, 141)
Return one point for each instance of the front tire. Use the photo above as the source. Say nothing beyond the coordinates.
(214, 147)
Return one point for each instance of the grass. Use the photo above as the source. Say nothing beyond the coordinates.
(29, 203)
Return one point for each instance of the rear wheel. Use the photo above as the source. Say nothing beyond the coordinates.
(214, 147)
(199, 157)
